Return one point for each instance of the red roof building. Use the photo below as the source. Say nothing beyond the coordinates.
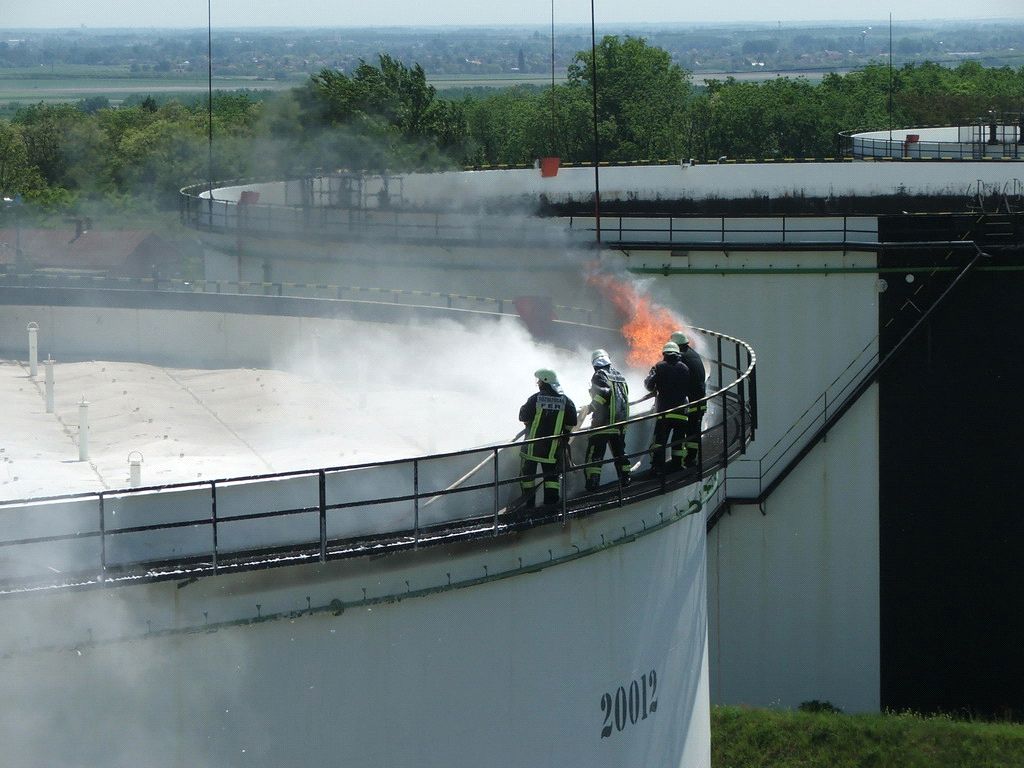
(119, 252)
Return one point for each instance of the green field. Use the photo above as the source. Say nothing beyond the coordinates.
(70, 84)
(18, 87)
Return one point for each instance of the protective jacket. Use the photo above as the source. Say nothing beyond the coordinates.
(670, 380)
(547, 413)
(692, 360)
(609, 398)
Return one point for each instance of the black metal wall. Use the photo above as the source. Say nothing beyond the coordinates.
(951, 519)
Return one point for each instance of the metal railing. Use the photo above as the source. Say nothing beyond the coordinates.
(899, 149)
(54, 279)
(262, 521)
(753, 480)
(376, 224)
(407, 225)
(697, 231)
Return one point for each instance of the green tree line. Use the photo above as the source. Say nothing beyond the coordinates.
(385, 115)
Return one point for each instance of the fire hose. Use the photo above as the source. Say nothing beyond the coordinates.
(581, 415)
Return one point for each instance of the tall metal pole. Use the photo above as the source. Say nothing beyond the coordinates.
(890, 82)
(597, 156)
(554, 129)
(209, 102)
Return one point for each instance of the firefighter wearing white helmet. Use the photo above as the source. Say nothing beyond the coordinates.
(609, 404)
(696, 392)
(549, 416)
(669, 380)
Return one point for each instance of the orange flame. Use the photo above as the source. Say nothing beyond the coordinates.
(646, 327)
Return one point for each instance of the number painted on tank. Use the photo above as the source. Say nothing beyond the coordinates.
(629, 704)
(606, 707)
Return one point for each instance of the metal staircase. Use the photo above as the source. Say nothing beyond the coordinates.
(804, 435)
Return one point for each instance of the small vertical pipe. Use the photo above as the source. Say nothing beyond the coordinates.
(135, 469)
(83, 430)
(33, 349)
(48, 363)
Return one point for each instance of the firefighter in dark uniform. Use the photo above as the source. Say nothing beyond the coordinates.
(547, 413)
(694, 413)
(670, 381)
(609, 404)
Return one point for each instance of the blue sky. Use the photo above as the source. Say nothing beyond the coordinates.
(346, 13)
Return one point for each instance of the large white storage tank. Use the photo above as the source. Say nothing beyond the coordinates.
(581, 638)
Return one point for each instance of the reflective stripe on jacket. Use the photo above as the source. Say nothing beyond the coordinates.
(546, 414)
(609, 395)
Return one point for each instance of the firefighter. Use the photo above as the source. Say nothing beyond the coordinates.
(548, 413)
(694, 413)
(609, 404)
(670, 381)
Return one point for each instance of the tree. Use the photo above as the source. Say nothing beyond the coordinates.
(17, 174)
(44, 128)
(641, 98)
(382, 116)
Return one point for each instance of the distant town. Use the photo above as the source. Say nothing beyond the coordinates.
(285, 55)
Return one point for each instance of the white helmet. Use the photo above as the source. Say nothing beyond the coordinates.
(670, 348)
(600, 358)
(679, 338)
(547, 376)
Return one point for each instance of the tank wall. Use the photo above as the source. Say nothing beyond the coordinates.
(509, 672)
(451, 190)
(199, 337)
(794, 591)
(801, 582)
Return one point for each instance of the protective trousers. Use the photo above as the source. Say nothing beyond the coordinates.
(550, 472)
(694, 419)
(596, 446)
(669, 431)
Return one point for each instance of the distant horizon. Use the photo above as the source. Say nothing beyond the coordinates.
(540, 25)
(454, 14)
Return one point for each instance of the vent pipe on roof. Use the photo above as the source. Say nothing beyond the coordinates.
(49, 383)
(83, 430)
(33, 349)
(135, 469)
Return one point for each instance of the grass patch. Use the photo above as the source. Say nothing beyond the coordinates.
(68, 87)
(760, 738)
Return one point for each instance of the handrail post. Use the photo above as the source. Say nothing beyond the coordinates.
(700, 450)
(496, 486)
(562, 485)
(720, 361)
(103, 539)
(742, 391)
(753, 394)
(213, 519)
(416, 503)
(322, 482)
(725, 431)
